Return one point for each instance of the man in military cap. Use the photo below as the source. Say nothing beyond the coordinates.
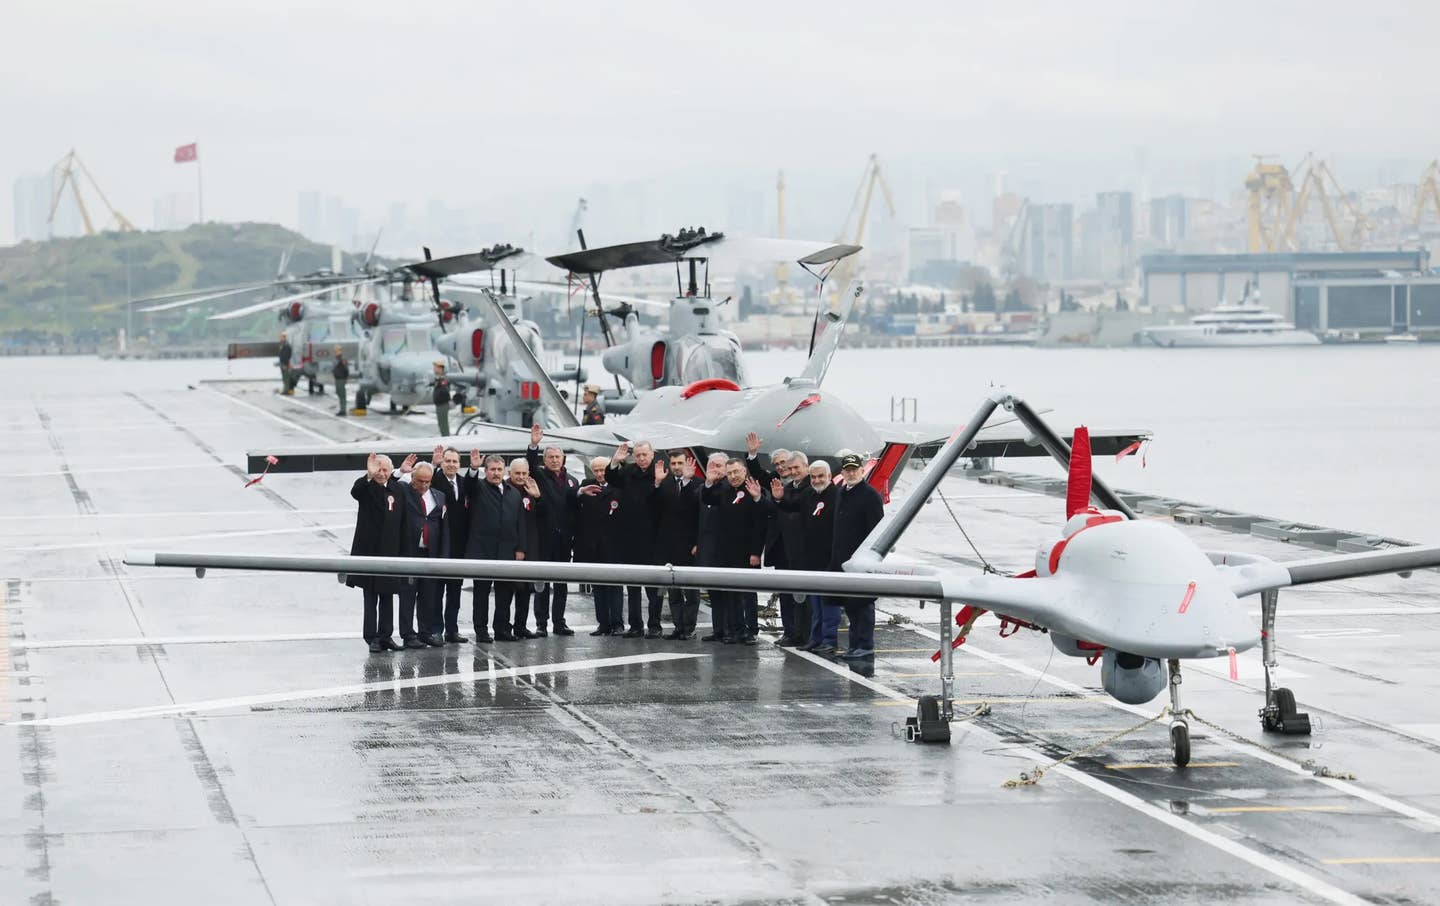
(593, 414)
(441, 398)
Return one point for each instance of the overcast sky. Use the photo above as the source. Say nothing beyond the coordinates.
(486, 102)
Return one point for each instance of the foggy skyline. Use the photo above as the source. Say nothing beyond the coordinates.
(522, 109)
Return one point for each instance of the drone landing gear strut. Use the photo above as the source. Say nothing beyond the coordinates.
(1279, 714)
(1179, 726)
(933, 714)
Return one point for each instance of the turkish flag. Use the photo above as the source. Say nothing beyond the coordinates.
(186, 153)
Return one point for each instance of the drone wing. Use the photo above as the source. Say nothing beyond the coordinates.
(1004, 440)
(1260, 574)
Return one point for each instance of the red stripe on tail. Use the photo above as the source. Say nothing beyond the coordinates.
(1077, 491)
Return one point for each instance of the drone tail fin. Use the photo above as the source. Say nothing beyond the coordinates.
(1077, 488)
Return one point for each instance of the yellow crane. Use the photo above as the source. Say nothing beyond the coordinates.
(1428, 190)
(1271, 192)
(67, 173)
(1317, 180)
(860, 214)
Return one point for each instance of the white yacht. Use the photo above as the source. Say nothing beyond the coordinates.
(1247, 323)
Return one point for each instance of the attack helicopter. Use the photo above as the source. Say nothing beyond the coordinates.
(1139, 596)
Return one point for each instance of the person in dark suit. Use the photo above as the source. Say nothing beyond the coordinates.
(379, 532)
(494, 524)
(454, 486)
(425, 527)
(635, 536)
(678, 518)
(707, 543)
(527, 544)
(560, 495)
(782, 532)
(594, 530)
(858, 509)
(740, 541)
(812, 506)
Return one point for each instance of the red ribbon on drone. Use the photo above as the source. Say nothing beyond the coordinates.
(1138, 445)
(269, 461)
(807, 402)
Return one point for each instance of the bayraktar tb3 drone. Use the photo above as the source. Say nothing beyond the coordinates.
(1140, 594)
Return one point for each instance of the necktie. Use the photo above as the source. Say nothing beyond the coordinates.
(425, 525)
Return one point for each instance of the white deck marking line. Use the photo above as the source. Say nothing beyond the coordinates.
(90, 427)
(195, 513)
(1357, 612)
(274, 698)
(130, 542)
(118, 469)
(130, 641)
(1279, 869)
(350, 422)
(1347, 787)
(271, 415)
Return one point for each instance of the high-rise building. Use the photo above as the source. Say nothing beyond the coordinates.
(1168, 220)
(938, 251)
(32, 208)
(1050, 251)
(1115, 251)
(311, 219)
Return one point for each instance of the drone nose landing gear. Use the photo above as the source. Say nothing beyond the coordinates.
(933, 714)
(1279, 714)
(1179, 726)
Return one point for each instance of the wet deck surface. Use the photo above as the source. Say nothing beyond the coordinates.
(231, 741)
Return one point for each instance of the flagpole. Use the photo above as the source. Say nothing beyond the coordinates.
(199, 188)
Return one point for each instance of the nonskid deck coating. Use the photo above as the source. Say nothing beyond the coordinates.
(734, 775)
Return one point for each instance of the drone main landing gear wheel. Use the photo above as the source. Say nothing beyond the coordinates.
(927, 725)
(1279, 714)
(1179, 726)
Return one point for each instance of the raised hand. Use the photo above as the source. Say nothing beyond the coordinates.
(590, 490)
(754, 559)
(372, 462)
(532, 488)
(752, 487)
(752, 443)
(408, 464)
(621, 452)
(475, 460)
(777, 488)
(537, 434)
(437, 455)
(660, 472)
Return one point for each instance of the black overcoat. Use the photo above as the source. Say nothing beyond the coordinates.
(633, 540)
(813, 518)
(379, 530)
(562, 505)
(858, 509)
(737, 522)
(595, 523)
(494, 521)
(678, 518)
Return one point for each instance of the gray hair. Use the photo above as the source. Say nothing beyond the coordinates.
(718, 457)
(644, 443)
(601, 461)
(424, 465)
(822, 465)
(520, 461)
(555, 448)
(778, 454)
(798, 457)
(493, 457)
(385, 459)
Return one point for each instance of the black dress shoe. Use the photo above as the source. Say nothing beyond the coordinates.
(712, 638)
(748, 640)
(390, 644)
(413, 643)
(729, 640)
(564, 630)
(504, 637)
(375, 647)
(523, 633)
(483, 638)
(539, 633)
(635, 633)
(601, 632)
(785, 642)
(673, 635)
(810, 647)
(455, 638)
(434, 641)
(653, 634)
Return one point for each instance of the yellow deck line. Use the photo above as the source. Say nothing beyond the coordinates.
(1384, 860)
(1267, 809)
(1166, 764)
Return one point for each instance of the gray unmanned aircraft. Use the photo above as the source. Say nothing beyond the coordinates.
(1138, 595)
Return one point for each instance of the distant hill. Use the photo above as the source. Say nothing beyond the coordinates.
(78, 286)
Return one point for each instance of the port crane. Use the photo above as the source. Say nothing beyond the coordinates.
(67, 172)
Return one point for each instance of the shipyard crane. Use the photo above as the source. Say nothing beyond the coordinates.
(1271, 192)
(860, 215)
(1317, 177)
(67, 172)
(1428, 190)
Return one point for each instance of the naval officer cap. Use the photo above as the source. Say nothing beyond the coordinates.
(852, 461)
